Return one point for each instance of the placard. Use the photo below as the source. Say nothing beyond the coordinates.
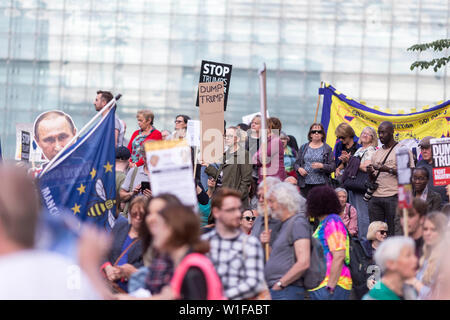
(216, 72)
(211, 98)
(170, 167)
(193, 133)
(440, 150)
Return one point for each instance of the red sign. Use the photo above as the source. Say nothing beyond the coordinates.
(441, 176)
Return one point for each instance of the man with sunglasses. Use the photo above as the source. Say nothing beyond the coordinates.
(238, 258)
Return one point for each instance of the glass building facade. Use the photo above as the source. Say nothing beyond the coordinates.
(55, 54)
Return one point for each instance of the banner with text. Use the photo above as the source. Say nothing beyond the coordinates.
(440, 150)
(338, 108)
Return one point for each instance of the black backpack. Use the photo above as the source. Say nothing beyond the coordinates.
(317, 270)
(359, 262)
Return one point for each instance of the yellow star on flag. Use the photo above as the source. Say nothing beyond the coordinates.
(76, 209)
(108, 167)
(93, 173)
(82, 189)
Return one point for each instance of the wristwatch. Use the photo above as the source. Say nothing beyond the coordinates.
(280, 285)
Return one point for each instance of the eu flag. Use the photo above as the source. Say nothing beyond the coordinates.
(82, 180)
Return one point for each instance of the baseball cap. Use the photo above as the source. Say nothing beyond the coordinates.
(122, 153)
(425, 142)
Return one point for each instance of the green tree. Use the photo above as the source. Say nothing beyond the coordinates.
(436, 63)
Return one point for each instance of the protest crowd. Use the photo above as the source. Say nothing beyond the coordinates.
(335, 229)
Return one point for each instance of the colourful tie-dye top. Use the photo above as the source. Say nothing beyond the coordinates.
(332, 234)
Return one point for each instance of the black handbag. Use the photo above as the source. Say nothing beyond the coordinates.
(357, 183)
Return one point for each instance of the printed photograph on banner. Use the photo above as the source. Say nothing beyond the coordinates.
(170, 166)
(52, 131)
(440, 150)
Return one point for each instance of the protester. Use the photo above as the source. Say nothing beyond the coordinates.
(254, 135)
(333, 236)
(181, 121)
(315, 161)
(275, 155)
(125, 256)
(122, 164)
(397, 261)
(132, 185)
(416, 217)
(235, 171)
(420, 179)
(146, 132)
(101, 100)
(241, 273)
(29, 273)
(383, 202)
(427, 163)
(290, 254)
(345, 147)
(274, 225)
(290, 156)
(434, 228)
(247, 221)
(348, 213)
(53, 130)
(293, 143)
(376, 234)
(369, 142)
(176, 231)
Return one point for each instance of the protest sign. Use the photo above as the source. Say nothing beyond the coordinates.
(26, 148)
(170, 167)
(440, 150)
(193, 133)
(211, 98)
(216, 72)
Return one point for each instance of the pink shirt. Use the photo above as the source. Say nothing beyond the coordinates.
(275, 159)
(350, 223)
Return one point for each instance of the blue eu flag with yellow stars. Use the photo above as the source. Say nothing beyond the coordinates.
(82, 180)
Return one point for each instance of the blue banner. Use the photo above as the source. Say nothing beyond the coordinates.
(82, 180)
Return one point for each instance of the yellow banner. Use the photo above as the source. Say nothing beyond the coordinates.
(338, 108)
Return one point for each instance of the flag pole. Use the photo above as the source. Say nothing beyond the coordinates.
(318, 103)
(58, 155)
(263, 102)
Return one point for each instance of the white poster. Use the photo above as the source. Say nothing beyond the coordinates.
(27, 151)
(170, 166)
(193, 133)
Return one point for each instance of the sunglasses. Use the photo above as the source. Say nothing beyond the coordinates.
(383, 232)
(316, 131)
(250, 218)
(341, 138)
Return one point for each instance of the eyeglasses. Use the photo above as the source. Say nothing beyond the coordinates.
(420, 178)
(341, 138)
(382, 232)
(250, 218)
(316, 131)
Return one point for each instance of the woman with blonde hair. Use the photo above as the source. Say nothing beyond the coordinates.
(146, 132)
(434, 228)
(356, 175)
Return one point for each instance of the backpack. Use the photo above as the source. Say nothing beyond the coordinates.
(317, 270)
(359, 262)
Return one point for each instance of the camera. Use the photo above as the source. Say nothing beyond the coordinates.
(371, 187)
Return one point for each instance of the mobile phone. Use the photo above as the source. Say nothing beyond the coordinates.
(145, 185)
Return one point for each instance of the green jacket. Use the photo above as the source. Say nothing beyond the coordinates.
(381, 292)
(237, 173)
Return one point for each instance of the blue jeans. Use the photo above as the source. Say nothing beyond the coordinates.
(288, 293)
(323, 294)
(361, 206)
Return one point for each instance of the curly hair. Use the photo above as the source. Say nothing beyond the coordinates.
(322, 201)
